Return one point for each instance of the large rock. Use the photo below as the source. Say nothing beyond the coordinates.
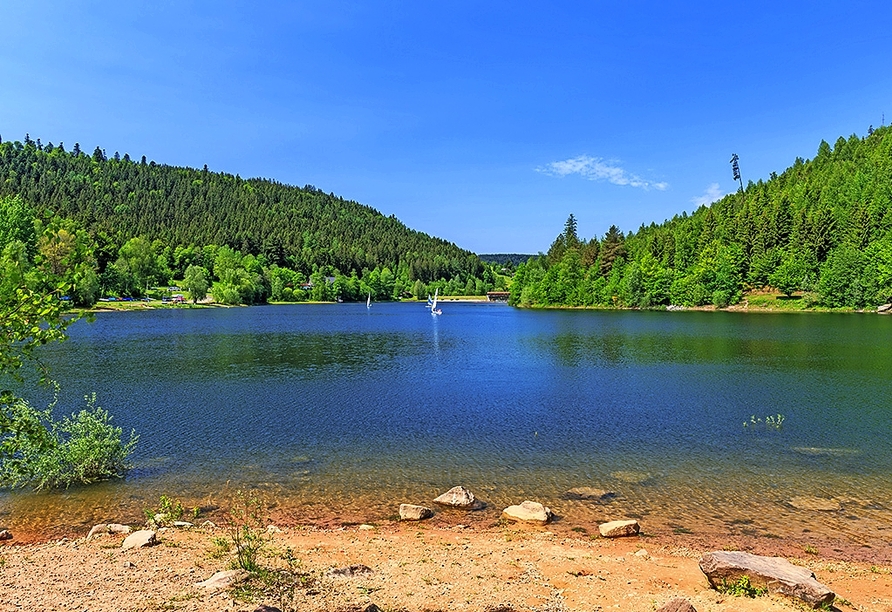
(458, 497)
(679, 604)
(528, 512)
(774, 573)
(885, 308)
(411, 512)
(138, 539)
(223, 580)
(619, 529)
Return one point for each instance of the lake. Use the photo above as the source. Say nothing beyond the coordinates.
(338, 411)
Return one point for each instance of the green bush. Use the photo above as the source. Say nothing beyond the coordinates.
(43, 453)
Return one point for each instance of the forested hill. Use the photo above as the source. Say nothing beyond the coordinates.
(116, 199)
(821, 230)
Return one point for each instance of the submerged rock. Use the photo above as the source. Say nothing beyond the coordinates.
(820, 504)
(590, 494)
(458, 497)
(619, 529)
(773, 573)
(411, 512)
(528, 512)
(631, 477)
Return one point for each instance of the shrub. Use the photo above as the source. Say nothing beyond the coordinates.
(38, 451)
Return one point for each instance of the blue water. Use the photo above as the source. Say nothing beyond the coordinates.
(339, 408)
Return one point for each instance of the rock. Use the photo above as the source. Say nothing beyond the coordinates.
(619, 529)
(679, 604)
(222, 580)
(266, 608)
(774, 573)
(411, 512)
(642, 553)
(209, 525)
(366, 527)
(590, 494)
(104, 528)
(528, 512)
(884, 308)
(350, 571)
(458, 497)
(139, 539)
(821, 504)
(128, 564)
(183, 524)
(5, 534)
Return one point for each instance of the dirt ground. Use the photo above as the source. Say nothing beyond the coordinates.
(413, 567)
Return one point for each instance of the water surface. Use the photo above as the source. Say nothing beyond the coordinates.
(339, 409)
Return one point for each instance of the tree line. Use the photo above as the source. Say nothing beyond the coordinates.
(135, 224)
(821, 230)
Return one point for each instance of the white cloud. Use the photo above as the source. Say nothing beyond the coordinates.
(598, 169)
(709, 196)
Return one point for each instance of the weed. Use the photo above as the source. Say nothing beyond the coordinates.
(742, 587)
(222, 546)
(771, 422)
(246, 522)
(168, 511)
(811, 550)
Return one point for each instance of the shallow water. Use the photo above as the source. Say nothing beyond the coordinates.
(339, 409)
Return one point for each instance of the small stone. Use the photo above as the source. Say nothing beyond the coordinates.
(139, 539)
(266, 608)
(128, 564)
(366, 527)
(457, 497)
(679, 604)
(183, 524)
(642, 553)
(528, 512)
(209, 525)
(222, 580)
(411, 512)
(618, 529)
(273, 529)
(350, 571)
(5, 534)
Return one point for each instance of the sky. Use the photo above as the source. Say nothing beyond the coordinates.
(484, 123)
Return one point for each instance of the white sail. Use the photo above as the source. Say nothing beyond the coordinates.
(434, 310)
(368, 302)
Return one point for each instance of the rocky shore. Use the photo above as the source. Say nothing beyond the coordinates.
(520, 563)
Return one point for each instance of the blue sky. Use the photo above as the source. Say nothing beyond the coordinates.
(484, 123)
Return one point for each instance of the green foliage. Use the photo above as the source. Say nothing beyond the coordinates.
(167, 512)
(246, 526)
(823, 227)
(195, 281)
(43, 453)
(152, 221)
(742, 587)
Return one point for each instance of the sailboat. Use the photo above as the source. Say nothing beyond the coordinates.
(368, 302)
(434, 309)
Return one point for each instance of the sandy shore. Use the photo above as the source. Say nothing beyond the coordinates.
(414, 566)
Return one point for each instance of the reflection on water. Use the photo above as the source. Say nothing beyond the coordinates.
(342, 409)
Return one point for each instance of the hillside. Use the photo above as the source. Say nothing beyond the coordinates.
(255, 239)
(820, 232)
